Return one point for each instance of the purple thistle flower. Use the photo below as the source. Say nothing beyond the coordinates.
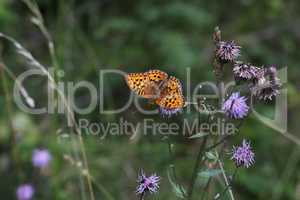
(235, 106)
(168, 112)
(243, 155)
(267, 84)
(245, 71)
(41, 158)
(150, 183)
(227, 51)
(25, 192)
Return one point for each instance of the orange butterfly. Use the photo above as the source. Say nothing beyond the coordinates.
(155, 84)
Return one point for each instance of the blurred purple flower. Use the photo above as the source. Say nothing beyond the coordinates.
(245, 71)
(227, 51)
(25, 192)
(150, 183)
(267, 85)
(235, 106)
(41, 158)
(243, 155)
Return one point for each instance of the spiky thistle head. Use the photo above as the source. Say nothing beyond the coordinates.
(168, 112)
(243, 155)
(147, 184)
(227, 51)
(235, 106)
(266, 85)
(245, 71)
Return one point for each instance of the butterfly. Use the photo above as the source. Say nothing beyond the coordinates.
(158, 86)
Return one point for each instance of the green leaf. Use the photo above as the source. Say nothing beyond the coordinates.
(211, 156)
(198, 135)
(178, 189)
(210, 173)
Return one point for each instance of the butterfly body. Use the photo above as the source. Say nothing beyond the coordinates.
(158, 86)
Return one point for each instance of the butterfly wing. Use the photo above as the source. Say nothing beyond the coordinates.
(156, 79)
(146, 84)
(171, 96)
(156, 76)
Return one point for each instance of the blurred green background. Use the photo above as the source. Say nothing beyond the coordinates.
(135, 36)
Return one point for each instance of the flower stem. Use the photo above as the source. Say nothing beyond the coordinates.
(39, 22)
(173, 166)
(230, 184)
(196, 168)
(206, 188)
(142, 196)
(9, 110)
(226, 180)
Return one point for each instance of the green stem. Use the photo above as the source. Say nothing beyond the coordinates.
(205, 188)
(39, 21)
(196, 168)
(230, 184)
(101, 188)
(172, 156)
(198, 162)
(9, 111)
(226, 180)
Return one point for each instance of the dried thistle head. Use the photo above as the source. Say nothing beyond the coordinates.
(227, 51)
(266, 85)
